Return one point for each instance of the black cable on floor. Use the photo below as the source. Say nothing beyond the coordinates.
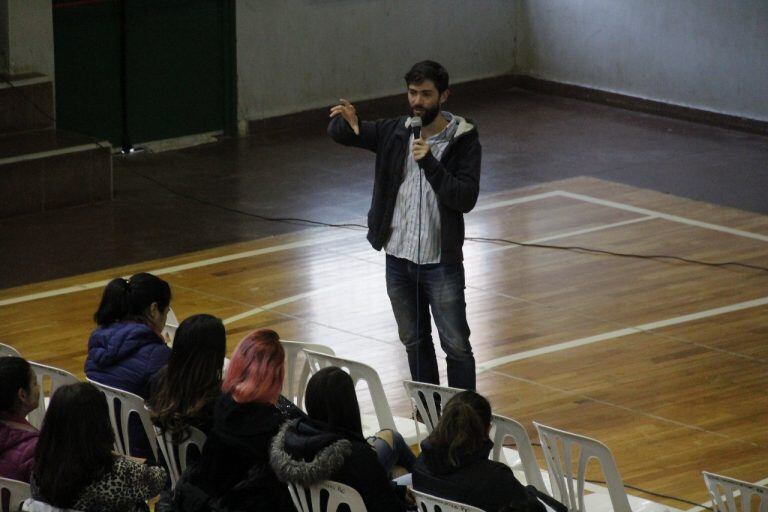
(300, 221)
(287, 220)
(576, 248)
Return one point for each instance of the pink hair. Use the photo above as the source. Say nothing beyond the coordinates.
(256, 371)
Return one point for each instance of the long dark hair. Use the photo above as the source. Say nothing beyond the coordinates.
(128, 299)
(463, 427)
(14, 375)
(75, 444)
(192, 379)
(331, 399)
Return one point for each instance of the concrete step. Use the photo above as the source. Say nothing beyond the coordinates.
(26, 103)
(49, 169)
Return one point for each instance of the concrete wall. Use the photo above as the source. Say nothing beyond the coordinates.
(707, 54)
(26, 37)
(294, 55)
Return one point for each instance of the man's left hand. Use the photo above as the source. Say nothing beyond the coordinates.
(420, 149)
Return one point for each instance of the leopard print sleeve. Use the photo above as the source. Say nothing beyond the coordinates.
(127, 484)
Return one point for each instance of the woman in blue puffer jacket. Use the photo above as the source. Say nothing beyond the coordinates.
(127, 349)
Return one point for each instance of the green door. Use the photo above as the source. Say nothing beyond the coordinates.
(133, 71)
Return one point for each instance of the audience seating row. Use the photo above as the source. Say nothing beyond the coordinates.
(560, 448)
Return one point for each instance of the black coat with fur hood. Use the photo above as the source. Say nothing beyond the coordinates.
(306, 452)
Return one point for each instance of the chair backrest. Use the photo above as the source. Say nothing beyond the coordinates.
(16, 493)
(503, 427)
(57, 378)
(359, 372)
(297, 368)
(129, 404)
(171, 325)
(176, 454)
(723, 491)
(425, 398)
(559, 448)
(307, 499)
(428, 503)
(7, 350)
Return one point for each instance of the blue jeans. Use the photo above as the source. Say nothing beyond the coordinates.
(399, 454)
(440, 288)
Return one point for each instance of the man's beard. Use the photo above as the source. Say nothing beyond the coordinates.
(428, 116)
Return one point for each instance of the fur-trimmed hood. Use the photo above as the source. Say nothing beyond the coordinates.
(303, 453)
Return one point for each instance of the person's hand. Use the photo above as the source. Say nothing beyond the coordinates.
(410, 499)
(420, 149)
(348, 112)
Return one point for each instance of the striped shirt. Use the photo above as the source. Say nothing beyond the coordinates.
(410, 239)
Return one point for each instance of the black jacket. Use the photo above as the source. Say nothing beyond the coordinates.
(455, 178)
(233, 473)
(306, 452)
(477, 481)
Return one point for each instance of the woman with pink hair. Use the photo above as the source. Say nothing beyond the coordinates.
(233, 472)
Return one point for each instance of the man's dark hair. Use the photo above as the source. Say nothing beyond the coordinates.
(428, 70)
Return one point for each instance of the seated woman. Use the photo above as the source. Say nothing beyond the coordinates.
(184, 392)
(19, 395)
(454, 463)
(126, 349)
(75, 466)
(233, 472)
(329, 445)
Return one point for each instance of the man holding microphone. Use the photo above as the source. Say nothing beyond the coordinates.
(427, 176)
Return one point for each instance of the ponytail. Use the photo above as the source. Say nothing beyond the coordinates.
(463, 427)
(129, 299)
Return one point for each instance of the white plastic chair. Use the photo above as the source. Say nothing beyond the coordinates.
(560, 448)
(297, 368)
(522, 458)
(18, 492)
(424, 398)
(723, 491)
(57, 378)
(338, 494)
(362, 372)
(171, 325)
(176, 454)
(129, 404)
(428, 503)
(31, 505)
(7, 350)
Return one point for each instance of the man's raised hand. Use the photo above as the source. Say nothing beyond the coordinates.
(348, 112)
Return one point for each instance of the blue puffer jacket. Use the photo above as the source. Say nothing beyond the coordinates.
(125, 355)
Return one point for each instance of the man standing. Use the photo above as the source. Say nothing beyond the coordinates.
(424, 182)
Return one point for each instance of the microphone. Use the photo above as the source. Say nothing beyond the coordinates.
(416, 127)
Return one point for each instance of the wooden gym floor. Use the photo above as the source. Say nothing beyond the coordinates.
(665, 362)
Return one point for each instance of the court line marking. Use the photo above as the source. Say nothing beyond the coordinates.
(294, 298)
(568, 234)
(496, 204)
(666, 216)
(181, 267)
(288, 300)
(619, 333)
